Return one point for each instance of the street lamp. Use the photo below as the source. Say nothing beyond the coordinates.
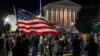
(72, 25)
(6, 19)
(7, 25)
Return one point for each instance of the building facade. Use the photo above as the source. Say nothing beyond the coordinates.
(62, 13)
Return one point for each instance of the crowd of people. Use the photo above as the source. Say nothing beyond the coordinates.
(48, 45)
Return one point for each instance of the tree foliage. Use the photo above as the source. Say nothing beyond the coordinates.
(1, 24)
(87, 18)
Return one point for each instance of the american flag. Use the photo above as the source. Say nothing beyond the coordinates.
(28, 24)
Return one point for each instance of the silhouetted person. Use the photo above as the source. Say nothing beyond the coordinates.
(50, 45)
(9, 44)
(58, 47)
(92, 48)
(76, 46)
(3, 51)
(41, 45)
(25, 45)
(35, 42)
(18, 47)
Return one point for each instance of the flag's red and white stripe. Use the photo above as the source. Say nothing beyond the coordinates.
(37, 26)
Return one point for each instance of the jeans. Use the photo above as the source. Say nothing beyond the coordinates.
(34, 52)
(84, 49)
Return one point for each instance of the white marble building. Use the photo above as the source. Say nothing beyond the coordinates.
(62, 12)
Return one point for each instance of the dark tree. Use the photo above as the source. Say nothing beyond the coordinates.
(96, 27)
(1, 24)
(87, 18)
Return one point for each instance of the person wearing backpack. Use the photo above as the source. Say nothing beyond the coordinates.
(58, 47)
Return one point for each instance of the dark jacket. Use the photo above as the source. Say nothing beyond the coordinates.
(92, 48)
(76, 46)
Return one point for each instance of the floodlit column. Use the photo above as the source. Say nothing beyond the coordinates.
(56, 15)
(74, 16)
(52, 14)
(70, 18)
(61, 16)
(65, 17)
(49, 15)
(47, 12)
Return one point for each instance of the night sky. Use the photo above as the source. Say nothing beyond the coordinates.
(6, 6)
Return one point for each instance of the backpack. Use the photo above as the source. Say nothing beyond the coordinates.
(57, 48)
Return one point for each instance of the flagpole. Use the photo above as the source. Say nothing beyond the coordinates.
(40, 8)
(14, 11)
(15, 16)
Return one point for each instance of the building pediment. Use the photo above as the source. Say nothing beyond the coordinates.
(63, 4)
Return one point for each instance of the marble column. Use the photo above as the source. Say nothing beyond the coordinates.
(47, 14)
(65, 17)
(52, 15)
(70, 18)
(74, 16)
(56, 16)
(61, 17)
